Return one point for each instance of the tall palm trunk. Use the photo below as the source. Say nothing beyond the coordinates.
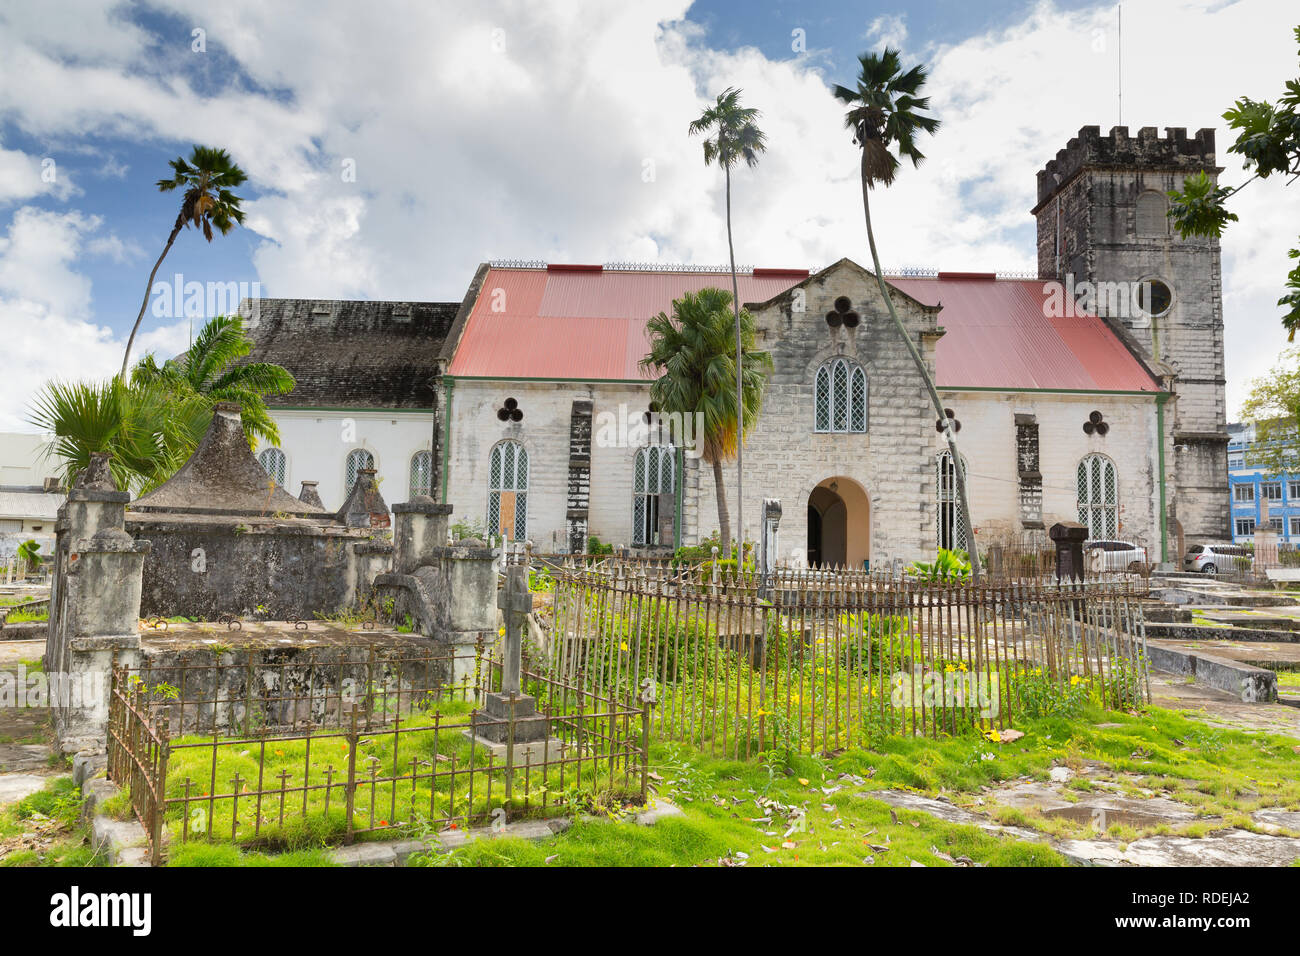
(176, 231)
(957, 469)
(740, 395)
(724, 516)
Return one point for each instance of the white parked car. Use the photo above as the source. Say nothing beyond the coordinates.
(1114, 556)
(1213, 558)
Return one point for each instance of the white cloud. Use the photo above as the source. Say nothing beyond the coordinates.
(45, 311)
(122, 251)
(889, 30)
(23, 177)
(495, 129)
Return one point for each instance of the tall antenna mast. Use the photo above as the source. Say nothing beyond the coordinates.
(1119, 58)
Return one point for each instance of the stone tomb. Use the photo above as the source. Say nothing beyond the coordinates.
(227, 540)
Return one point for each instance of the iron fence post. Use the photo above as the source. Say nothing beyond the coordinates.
(159, 793)
(645, 748)
(350, 792)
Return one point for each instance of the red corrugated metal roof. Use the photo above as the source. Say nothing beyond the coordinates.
(1000, 335)
(589, 324)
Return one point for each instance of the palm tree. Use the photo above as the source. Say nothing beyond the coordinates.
(735, 137)
(885, 115)
(152, 424)
(693, 352)
(208, 179)
(147, 431)
(210, 370)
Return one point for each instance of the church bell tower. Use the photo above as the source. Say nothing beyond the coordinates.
(1102, 220)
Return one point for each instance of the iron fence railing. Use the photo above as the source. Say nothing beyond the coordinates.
(138, 751)
(262, 749)
(816, 660)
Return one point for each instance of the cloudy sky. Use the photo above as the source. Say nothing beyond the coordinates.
(393, 146)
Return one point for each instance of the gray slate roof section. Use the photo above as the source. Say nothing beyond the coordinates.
(346, 353)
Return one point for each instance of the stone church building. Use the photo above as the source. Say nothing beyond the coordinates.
(1094, 392)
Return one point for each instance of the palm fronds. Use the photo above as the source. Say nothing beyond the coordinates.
(885, 114)
(152, 424)
(694, 350)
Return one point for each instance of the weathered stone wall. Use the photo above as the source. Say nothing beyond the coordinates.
(785, 458)
(546, 433)
(207, 567)
(251, 689)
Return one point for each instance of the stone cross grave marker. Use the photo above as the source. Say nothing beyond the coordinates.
(516, 602)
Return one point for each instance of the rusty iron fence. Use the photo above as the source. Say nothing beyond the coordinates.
(258, 751)
(816, 661)
(1025, 558)
(138, 751)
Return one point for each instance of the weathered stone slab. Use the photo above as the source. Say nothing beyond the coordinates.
(16, 758)
(16, 786)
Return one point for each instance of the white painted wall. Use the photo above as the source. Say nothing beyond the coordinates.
(784, 447)
(23, 461)
(987, 441)
(316, 445)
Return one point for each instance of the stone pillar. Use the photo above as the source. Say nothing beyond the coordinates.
(420, 531)
(310, 496)
(94, 607)
(995, 568)
(1068, 536)
(435, 440)
(769, 549)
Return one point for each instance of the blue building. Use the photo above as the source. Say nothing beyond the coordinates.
(1258, 497)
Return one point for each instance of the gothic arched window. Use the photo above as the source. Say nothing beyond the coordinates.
(1152, 219)
(1098, 496)
(950, 527)
(273, 460)
(358, 458)
(653, 475)
(508, 491)
(841, 397)
(421, 473)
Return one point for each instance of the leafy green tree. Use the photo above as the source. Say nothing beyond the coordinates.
(207, 202)
(886, 117)
(211, 370)
(1268, 139)
(1273, 407)
(735, 136)
(693, 350)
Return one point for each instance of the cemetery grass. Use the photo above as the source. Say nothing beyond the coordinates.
(1221, 774)
(742, 812)
(46, 829)
(385, 810)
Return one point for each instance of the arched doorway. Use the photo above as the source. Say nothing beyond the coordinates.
(839, 524)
